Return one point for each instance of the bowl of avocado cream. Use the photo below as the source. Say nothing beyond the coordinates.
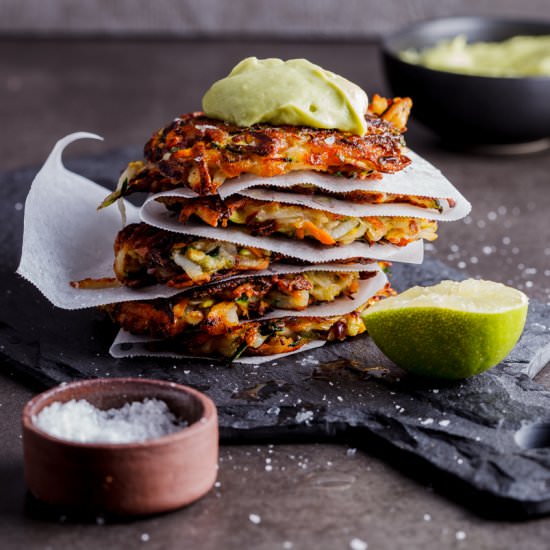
(475, 81)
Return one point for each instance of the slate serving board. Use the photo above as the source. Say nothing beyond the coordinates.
(484, 441)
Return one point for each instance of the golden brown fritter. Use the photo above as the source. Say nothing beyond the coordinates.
(219, 307)
(145, 255)
(266, 218)
(256, 338)
(201, 153)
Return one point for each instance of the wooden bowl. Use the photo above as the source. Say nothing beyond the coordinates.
(126, 479)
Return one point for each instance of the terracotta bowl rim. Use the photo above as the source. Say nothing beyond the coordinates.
(207, 422)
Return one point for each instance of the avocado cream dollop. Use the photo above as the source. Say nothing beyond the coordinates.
(295, 92)
(515, 57)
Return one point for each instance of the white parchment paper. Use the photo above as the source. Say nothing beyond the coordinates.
(420, 178)
(156, 214)
(128, 345)
(66, 239)
(348, 208)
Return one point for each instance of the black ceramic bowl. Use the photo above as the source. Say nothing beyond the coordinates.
(464, 109)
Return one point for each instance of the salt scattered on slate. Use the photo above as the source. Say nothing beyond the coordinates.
(81, 422)
(358, 544)
(304, 417)
(255, 518)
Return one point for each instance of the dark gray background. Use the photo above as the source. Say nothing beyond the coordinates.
(283, 18)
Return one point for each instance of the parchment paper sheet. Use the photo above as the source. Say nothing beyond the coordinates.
(128, 345)
(420, 178)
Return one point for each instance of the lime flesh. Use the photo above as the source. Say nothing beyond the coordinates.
(452, 330)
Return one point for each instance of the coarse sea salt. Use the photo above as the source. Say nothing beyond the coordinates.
(358, 544)
(81, 422)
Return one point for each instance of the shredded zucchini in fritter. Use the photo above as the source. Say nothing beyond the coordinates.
(265, 218)
(219, 307)
(269, 337)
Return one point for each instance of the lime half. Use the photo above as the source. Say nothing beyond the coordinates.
(451, 330)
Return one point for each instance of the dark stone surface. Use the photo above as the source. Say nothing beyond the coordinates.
(463, 431)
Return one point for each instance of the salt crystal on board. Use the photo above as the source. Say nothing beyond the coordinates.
(255, 518)
(358, 544)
